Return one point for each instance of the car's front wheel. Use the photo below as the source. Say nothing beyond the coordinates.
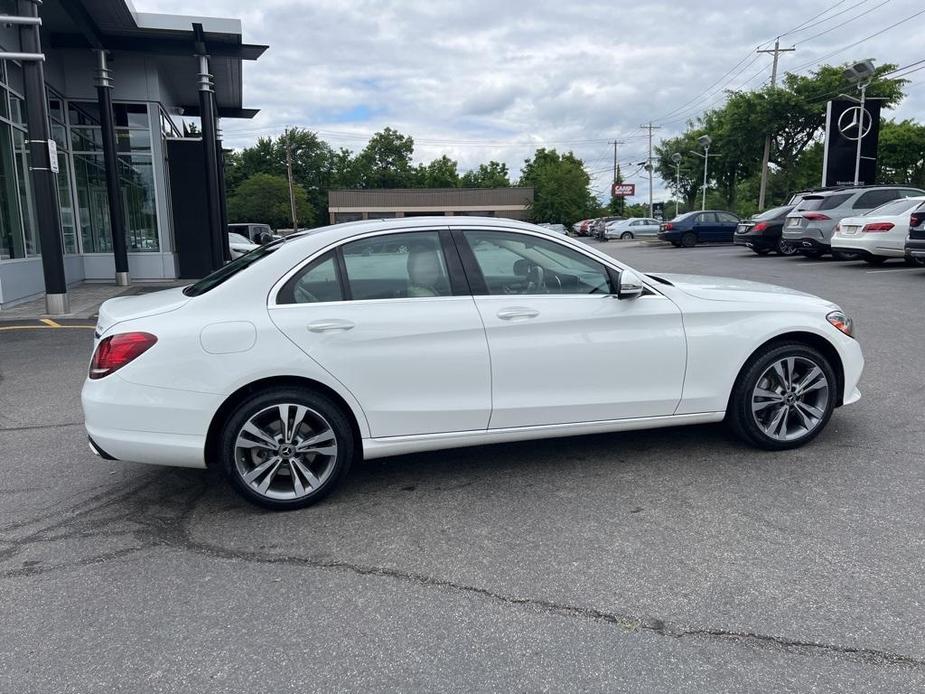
(783, 397)
(286, 448)
(626, 235)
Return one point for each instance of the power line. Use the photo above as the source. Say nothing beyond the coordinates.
(802, 26)
(827, 19)
(847, 21)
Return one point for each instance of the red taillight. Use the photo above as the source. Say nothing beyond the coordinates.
(816, 216)
(760, 226)
(116, 351)
(667, 227)
(917, 219)
(878, 226)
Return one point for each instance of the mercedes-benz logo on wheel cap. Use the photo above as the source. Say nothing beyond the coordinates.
(854, 123)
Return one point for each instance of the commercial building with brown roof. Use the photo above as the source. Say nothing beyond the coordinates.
(353, 205)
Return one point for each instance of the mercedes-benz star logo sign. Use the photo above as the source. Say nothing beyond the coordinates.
(849, 123)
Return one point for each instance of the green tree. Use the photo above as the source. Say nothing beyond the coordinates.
(491, 175)
(265, 198)
(901, 154)
(442, 172)
(385, 162)
(562, 187)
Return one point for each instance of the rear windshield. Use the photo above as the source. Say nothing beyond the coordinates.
(823, 202)
(772, 213)
(893, 208)
(231, 269)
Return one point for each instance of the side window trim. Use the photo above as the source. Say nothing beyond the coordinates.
(474, 277)
(459, 282)
(340, 269)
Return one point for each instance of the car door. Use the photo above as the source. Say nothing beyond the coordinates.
(726, 224)
(563, 348)
(649, 227)
(390, 317)
(705, 226)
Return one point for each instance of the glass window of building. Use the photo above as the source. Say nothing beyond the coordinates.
(17, 211)
(136, 176)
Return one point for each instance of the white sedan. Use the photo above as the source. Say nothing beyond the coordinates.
(631, 228)
(239, 245)
(878, 235)
(388, 337)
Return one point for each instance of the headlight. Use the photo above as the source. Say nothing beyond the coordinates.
(841, 321)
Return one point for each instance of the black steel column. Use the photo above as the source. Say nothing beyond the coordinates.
(223, 197)
(44, 180)
(111, 160)
(207, 118)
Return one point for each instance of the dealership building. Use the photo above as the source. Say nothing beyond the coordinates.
(353, 205)
(97, 179)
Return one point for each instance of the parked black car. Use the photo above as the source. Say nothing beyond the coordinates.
(691, 228)
(762, 233)
(915, 242)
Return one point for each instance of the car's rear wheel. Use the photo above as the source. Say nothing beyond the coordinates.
(626, 235)
(689, 239)
(785, 248)
(286, 448)
(875, 260)
(783, 397)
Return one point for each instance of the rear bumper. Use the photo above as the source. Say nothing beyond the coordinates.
(144, 424)
(915, 248)
(866, 245)
(669, 235)
(757, 241)
(808, 244)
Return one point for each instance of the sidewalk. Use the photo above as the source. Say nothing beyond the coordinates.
(85, 299)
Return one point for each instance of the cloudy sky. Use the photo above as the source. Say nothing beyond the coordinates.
(495, 79)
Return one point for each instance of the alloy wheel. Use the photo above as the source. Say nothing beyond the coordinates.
(790, 398)
(285, 452)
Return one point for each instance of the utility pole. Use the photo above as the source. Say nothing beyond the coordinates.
(649, 166)
(615, 167)
(295, 222)
(776, 51)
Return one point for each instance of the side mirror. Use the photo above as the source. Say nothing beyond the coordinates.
(629, 285)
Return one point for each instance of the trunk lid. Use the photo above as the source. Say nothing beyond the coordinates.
(123, 308)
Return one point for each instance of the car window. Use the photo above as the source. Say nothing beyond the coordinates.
(875, 198)
(893, 208)
(726, 217)
(823, 202)
(706, 218)
(237, 238)
(514, 263)
(229, 270)
(773, 213)
(396, 266)
(316, 282)
(910, 193)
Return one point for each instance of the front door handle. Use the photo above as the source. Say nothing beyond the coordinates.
(517, 313)
(327, 326)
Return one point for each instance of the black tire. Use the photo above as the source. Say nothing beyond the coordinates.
(762, 251)
(787, 249)
(740, 416)
(875, 260)
(688, 239)
(915, 262)
(327, 413)
(626, 235)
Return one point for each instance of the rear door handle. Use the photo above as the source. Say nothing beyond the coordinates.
(327, 326)
(517, 313)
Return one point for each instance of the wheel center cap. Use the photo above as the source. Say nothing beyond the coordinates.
(790, 398)
(286, 450)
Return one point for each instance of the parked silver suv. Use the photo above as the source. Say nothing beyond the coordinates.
(810, 226)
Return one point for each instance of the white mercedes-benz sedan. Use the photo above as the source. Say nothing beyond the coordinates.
(385, 337)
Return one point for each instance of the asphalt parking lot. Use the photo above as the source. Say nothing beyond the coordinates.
(673, 560)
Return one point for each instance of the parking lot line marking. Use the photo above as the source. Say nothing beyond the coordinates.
(46, 327)
(49, 322)
(897, 269)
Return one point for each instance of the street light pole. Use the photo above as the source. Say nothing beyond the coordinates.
(676, 158)
(706, 162)
(861, 114)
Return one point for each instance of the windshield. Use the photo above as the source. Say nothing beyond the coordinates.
(773, 213)
(231, 269)
(893, 208)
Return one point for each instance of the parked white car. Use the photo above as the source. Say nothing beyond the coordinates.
(631, 228)
(387, 337)
(558, 228)
(878, 235)
(239, 245)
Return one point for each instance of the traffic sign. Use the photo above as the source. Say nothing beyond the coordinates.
(623, 190)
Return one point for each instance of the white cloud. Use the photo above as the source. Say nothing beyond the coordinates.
(486, 79)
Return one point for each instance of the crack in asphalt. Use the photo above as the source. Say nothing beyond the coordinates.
(161, 520)
(32, 427)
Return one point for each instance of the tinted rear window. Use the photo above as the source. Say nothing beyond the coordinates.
(225, 272)
(823, 202)
(893, 208)
(773, 213)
